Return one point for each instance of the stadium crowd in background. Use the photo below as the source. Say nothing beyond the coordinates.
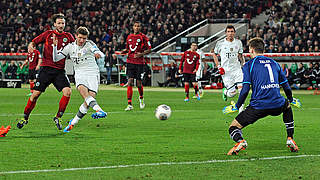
(287, 29)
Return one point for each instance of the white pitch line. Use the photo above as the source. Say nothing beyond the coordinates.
(159, 164)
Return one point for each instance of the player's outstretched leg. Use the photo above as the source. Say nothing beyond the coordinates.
(129, 96)
(95, 106)
(236, 135)
(292, 145)
(141, 99)
(83, 109)
(27, 110)
(242, 145)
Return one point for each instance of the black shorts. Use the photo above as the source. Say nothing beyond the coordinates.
(48, 75)
(189, 78)
(32, 74)
(251, 115)
(135, 71)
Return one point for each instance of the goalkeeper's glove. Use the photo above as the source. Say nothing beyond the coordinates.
(296, 102)
(230, 109)
(221, 70)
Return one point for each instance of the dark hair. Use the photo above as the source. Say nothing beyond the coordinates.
(257, 44)
(230, 27)
(57, 16)
(82, 30)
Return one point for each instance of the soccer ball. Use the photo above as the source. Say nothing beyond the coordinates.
(163, 112)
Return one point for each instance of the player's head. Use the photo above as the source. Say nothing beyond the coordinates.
(136, 27)
(31, 47)
(230, 32)
(59, 22)
(194, 46)
(256, 46)
(82, 35)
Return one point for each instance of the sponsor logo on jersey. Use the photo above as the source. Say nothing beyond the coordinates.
(65, 40)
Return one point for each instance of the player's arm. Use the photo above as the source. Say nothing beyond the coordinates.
(24, 63)
(197, 64)
(39, 62)
(287, 90)
(181, 63)
(96, 51)
(243, 94)
(241, 58)
(41, 38)
(58, 55)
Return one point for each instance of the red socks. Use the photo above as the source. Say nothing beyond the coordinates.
(186, 90)
(140, 89)
(29, 107)
(64, 101)
(129, 94)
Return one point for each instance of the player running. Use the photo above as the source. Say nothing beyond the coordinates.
(87, 76)
(34, 61)
(51, 72)
(137, 46)
(265, 76)
(190, 63)
(230, 51)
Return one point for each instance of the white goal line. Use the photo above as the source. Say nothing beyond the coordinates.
(158, 164)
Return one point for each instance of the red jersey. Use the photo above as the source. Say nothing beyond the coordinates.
(64, 38)
(137, 43)
(190, 62)
(33, 59)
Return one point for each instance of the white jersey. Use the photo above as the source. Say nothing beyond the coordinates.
(228, 52)
(82, 56)
(201, 65)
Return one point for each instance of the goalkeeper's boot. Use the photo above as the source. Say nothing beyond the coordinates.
(186, 99)
(292, 145)
(129, 108)
(224, 94)
(142, 105)
(58, 122)
(4, 131)
(23, 121)
(242, 145)
(69, 127)
(99, 114)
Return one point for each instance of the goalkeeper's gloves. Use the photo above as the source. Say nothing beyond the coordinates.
(230, 109)
(221, 70)
(296, 102)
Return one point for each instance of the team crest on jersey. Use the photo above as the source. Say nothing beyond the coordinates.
(65, 40)
(138, 40)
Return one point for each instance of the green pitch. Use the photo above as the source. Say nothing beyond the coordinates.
(192, 144)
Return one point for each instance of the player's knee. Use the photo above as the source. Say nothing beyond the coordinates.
(66, 91)
(236, 124)
(231, 93)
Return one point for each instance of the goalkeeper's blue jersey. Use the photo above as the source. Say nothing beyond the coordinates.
(265, 77)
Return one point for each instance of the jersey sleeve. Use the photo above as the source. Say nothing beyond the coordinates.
(240, 47)
(246, 74)
(41, 38)
(181, 61)
(147, 42)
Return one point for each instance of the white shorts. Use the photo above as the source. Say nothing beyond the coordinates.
(231, 78)
(91, 81)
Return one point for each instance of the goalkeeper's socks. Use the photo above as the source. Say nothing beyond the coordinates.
(288, 121)
(235, 133)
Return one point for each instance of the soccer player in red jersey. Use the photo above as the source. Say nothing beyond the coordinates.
(137, 46)
(34, 61)
(190, 63)
(51, 72)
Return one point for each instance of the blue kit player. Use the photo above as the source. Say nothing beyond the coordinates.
(265, 77)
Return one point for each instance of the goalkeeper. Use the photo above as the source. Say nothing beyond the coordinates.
(265, 76)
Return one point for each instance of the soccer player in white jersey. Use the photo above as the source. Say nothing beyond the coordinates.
(199, 73)
(230, 51)
(87, 76)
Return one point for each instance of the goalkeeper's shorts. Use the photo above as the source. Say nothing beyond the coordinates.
(251, 115)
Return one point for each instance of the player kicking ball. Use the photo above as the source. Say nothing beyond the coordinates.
(265, 76)
(190, 64)
(87, 76)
